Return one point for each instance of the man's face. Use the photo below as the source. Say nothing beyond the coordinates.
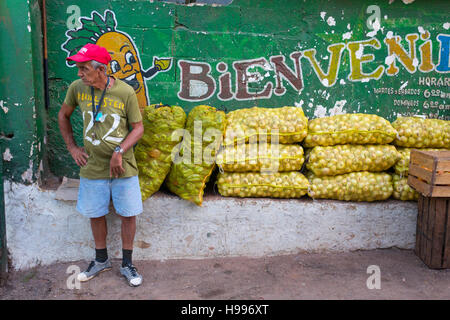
(87, 73)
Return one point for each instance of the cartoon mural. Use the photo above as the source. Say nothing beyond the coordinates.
(125, 61)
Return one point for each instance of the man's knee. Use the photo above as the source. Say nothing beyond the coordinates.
(128, 219)
(101, 221)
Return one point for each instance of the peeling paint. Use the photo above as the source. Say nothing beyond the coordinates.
(331, 22)
(347, 35)
(376, 26)
(320, 112)
(389, 59)
(27, 176)
(7, 156)
(299, 104)
(338, 108)
(359, 52)
(5, 109)
(403, 85)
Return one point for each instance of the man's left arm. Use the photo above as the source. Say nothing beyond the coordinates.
(115, 166)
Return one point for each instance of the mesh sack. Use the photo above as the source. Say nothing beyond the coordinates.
(349, 129)
(287, 124)
(261, 157)
(353, 186)
(340, 159)
(402, 165)
(416, 132)
(275, 185)
(153, 152)
(195, 159)
(402, 190)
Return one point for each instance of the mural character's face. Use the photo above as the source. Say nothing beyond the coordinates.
(124, 63)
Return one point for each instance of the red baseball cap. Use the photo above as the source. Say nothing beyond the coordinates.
(91, 52)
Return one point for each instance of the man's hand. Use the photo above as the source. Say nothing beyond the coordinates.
(79, 155)
(115, 165)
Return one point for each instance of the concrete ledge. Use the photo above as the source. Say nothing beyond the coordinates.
(44, 230)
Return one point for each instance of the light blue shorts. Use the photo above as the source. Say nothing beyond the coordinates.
(94, 196)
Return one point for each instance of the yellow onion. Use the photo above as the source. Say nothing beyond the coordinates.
(340, 159)
(261, 156)
(402, 165)
(286, 124)
(353, 186)
(402, 190)
(415, 132)
(188, 178)
(154, 149)
(275, 185)
(349, 129)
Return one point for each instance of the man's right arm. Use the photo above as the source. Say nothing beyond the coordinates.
(78, 153)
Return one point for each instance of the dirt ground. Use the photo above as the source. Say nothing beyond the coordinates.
(342, 276)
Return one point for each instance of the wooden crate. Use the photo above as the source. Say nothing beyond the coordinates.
(433, 232)
(429, 173)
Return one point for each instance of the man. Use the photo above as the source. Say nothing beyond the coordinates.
(108, 166)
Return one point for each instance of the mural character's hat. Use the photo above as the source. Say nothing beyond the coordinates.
(91, 52)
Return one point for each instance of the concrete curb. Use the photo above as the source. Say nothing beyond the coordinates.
(42, 230)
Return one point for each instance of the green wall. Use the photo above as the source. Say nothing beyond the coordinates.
(320, 55)
(22, 108)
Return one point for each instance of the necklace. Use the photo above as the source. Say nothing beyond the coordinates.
(96, 108)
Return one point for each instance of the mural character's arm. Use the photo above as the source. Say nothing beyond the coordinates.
(158, 65)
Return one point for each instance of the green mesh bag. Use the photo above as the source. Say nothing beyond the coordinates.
(355, 128)
(353, 186)
(415, 132)
(251, 184)
(195, 159)
(261, 157)
(402, 190)
(340, 159)
(153, 152)
(288, 124)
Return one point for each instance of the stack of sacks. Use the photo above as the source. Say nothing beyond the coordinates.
(259, 157)
(348, 156)
(421, 134)
(194, 161)
(415, 132)
(153, 152)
